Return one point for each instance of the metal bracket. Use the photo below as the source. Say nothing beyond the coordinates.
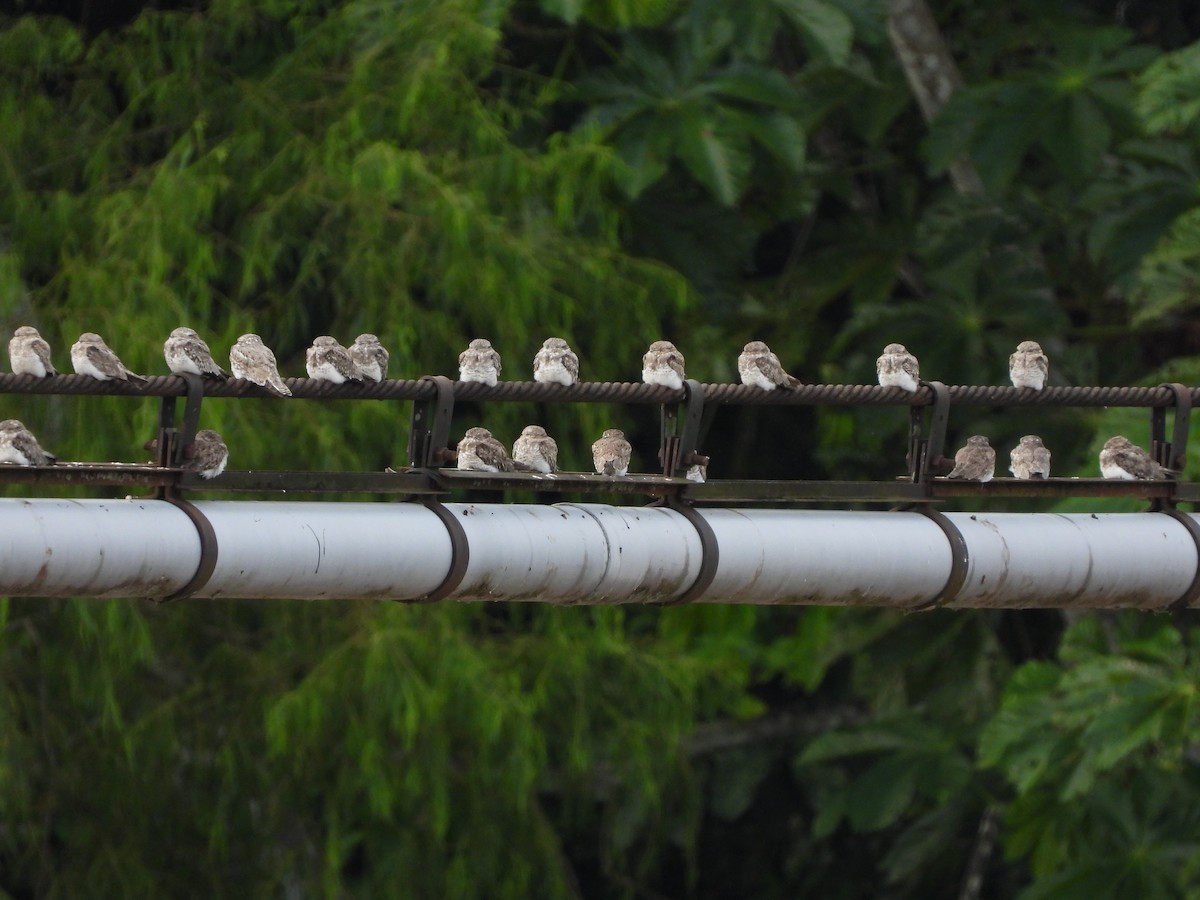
(960, 559)
(173, 442)
(678, 450)
(1171, 455)
(429, 430)
(208, 547)
(460, 553)
(925, 453)
(710, 552)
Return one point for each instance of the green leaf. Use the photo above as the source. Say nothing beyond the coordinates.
(881, 794)
(714, 155)
(827, 31)
(568, 11)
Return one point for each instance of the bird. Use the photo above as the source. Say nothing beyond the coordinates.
(610, 454)
(29, 353)
(19, 447)
(207, 454)
(1122, 459)
(253, 360)
(760, 367)
(479, 362)
(327, 360)
(1030, 459)
(697, 473)
(187, 354)
(1029, 366)
(976, 461)
(536, 450)
(480, 452)
(370, 356)
(91, 356)
(898, 368)
(663, 364)
(556, 363)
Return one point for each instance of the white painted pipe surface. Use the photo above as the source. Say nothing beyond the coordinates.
(591, 553)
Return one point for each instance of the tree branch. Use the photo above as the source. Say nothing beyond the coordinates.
(931, 72)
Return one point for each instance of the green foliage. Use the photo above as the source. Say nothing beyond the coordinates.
(1097, 752)
(612, 171)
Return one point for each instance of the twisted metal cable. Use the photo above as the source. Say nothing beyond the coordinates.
(606, 392)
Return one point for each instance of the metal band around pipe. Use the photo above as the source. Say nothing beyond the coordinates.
(960, 558)
(1192, 593)
(208, 547)
(460, 553)
(710, 554)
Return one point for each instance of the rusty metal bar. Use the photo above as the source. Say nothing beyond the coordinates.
(608, 392)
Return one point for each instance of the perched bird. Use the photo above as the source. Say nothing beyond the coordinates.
(536, 450)
(556, 363)
(898, 368)
(207, 455)
(187, 354)
(1028, 367)
(480, 452)
(976, 461)
(479, 362)
(663, 364)
(370, 356)
(29, 353)
(610, 454)
(327, 360)
(253, 360)
(760, 367)
(19, 447)
(1123, 459)
(1030, 459)
(91, 356)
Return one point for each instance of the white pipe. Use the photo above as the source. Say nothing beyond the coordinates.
(591, 553)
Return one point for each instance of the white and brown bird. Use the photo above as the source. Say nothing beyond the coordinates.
(1030, 460)
(478, 451)
(19, 447)
(663, 364)
(253, 360)
(1124, 460)
(976, 461)
(535, 450)
(759, 367)
(479, 362)
(556, 363)
(91, 356)
(327, 360)
(207, 455)
(29, 354)
(898, 368)
(186, 353)
(1028, 366)
(370, 356)
(611, 453)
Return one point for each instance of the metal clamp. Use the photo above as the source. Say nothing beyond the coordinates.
(428, 440)
(173, 442)
(960, 559)
(1171, 455)
(1192, 594)
(208, 547)
(460, 553)
(710, 553)
(678, 450)
(925, 453)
